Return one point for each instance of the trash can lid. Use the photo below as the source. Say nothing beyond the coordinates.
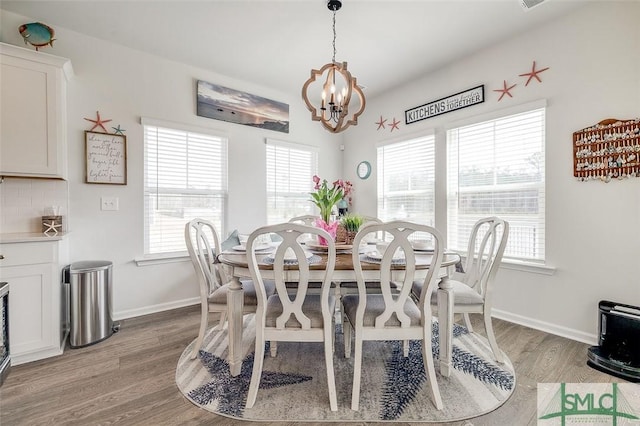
(90, 265)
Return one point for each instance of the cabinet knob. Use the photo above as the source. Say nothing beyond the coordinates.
(1, 256)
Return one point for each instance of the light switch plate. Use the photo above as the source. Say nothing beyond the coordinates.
(109, 203)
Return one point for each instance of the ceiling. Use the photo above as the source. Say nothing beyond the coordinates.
(276, 43)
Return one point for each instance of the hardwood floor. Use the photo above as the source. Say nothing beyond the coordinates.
(128, 379)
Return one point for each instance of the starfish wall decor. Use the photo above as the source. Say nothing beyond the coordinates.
(118, 130)
(534, 73)
(505, 90)
(394, 125)
(98, 122)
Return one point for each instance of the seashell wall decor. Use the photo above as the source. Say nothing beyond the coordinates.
(607, 150)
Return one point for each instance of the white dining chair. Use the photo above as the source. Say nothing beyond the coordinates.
(303, 317)
(351, 287)
(203, 246)
(391, 315)
(307, 219)
(472, 289)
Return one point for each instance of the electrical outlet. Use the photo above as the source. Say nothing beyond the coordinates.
(109, 203)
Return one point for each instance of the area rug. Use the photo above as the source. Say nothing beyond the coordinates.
(294, 388)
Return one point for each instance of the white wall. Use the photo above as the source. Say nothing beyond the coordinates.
(124, 85)
(592, 228)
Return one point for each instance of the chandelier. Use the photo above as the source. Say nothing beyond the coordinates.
(334, 90)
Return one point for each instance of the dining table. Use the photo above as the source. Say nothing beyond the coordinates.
(238, 268)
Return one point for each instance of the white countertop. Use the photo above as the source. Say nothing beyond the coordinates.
(29, 237)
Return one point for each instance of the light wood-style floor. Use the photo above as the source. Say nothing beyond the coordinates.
(129, 379)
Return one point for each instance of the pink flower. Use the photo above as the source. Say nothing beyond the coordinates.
(316, 180)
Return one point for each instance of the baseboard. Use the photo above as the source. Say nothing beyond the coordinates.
(146, 310)
(569, 333)
(35, 356)
(547, 327)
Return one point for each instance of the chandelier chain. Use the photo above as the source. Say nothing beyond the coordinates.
(334, 35)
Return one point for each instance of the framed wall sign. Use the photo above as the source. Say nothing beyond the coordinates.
(450, 103)
(106, 158)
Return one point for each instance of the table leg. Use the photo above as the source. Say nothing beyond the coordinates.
(235, 302)
(445, 324)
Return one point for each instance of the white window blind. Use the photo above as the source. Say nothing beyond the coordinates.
(290, 170)
(185, 177)
(406, 175)
(496, 168)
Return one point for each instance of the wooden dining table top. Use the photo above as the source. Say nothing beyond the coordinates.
(344, 261)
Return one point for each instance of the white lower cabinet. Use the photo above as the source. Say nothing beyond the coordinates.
(36, 312)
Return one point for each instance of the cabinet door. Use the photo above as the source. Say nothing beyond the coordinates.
(33, 118)
(33, 323)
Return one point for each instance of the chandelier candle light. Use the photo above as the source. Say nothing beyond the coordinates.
(336, 96)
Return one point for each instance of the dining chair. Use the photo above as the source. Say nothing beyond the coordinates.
(351, 287)
(307, 219)
(203, 246)
(389, 315)
(472, 289)
(299, 317)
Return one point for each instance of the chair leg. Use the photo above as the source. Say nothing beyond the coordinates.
(333, 336)
(429, 368)
(258, 361)
(347, 329)
(274, 348)
(204, 320)
(223, 319)
(331, 380)
(340, 311)
(467, 322)
(357, 370)
(405, 348)
(497, 353)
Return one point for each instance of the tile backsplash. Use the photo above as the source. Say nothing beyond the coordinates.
(23, 202)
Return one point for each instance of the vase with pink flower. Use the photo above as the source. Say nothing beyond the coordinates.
(326, 198)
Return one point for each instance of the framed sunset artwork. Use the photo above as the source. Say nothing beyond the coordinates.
(222, 103)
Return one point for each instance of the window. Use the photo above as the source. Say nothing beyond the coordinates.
(496, 168)
(290, 169)
(185, 176)
(406, 176)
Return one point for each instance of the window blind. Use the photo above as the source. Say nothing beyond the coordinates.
(185, 177)
(290, 170)
(497, 168)
(406, 175)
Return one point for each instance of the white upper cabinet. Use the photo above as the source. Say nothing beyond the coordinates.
(33, 113)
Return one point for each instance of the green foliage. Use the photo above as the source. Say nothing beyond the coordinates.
(352, 222)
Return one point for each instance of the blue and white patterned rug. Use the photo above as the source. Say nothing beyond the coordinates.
(294, 388)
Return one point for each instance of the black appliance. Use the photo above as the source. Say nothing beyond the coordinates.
(5, 359)
(618, 350)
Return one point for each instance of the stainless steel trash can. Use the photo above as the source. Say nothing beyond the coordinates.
(90, 304)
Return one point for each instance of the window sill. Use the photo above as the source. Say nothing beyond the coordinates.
(534, 268)
(157, 259)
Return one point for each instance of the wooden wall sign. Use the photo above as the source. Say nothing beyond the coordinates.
(106, 158)
(442, 106)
